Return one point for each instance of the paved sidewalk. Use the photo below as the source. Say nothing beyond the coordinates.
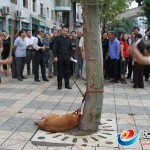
(22, 103)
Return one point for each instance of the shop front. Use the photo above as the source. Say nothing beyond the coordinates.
(35, 23)
(42, 26)
(25, 26)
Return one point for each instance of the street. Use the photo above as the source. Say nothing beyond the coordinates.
(22, 103)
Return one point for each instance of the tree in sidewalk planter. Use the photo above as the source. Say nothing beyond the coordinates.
(146, 9)
(90, 119)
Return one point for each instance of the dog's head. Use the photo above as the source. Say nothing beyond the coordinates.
(76, 116)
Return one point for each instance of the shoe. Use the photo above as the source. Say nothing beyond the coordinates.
(50, 76)
(116, 81)
(45, 80)
(14, 77)
(135, 87)
(68, 87)
(142, 87)
(123, 81)
(111, 81)
(20, 80)
(59, 88)
(37, 80)
(24, 77)
(146, 79)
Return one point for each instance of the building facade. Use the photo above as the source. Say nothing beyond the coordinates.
(39, 14)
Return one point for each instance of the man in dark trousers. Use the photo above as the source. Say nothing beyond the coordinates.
(39, 57)
(62, 51)
(138, 70)
(20, 54)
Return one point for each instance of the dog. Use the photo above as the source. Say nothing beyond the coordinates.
(57, 123)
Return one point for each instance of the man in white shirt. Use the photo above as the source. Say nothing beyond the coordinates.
(81, 45)
(39, 57)
(30, 52)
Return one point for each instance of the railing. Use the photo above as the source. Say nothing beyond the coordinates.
(66, 3)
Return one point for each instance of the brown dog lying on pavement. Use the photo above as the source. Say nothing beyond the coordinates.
(56, 123)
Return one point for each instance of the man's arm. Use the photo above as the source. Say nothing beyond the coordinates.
(81, 45)
(6, 61)
(1, 47)
(118, 49)
(71, 49)
(35, 45)
(15, 44)
(121, 48)
(138, 56)
(55, 48)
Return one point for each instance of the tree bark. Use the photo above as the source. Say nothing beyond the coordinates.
(94, 62)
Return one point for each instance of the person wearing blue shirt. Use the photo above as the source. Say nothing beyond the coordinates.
(114, 54)
(20, 53)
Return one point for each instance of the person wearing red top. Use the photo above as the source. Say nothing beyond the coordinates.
(124, 56)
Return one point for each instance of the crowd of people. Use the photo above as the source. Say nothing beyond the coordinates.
(119, 62)
(52, 52)
(64, 55)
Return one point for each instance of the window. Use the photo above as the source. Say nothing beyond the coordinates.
(77, 15)
(47, 12)
(14, 1)
(41, 9)
(52, 15)
(34, 5)
(25, 3)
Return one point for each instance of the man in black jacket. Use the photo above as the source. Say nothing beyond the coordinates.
(62, 51)
(39, 57)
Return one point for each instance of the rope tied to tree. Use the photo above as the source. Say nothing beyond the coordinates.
(78, 111)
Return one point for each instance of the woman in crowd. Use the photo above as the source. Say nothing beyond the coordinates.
(124, 57)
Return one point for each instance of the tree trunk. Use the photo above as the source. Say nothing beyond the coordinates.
(93, 49)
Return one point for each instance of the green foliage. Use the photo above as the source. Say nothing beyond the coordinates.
(124, 25)
(146, 9)
(110, 9)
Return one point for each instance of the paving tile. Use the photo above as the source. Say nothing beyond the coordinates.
(23, 136)
(106, 148)
(30, 146)
(122, 127)
(82, 148)
(62, 148)
(13, 144)
(27, 128)
(145, 144)
(2, 141)
(16, 120)
(34, 104)
(9, 127)
(5, 134)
